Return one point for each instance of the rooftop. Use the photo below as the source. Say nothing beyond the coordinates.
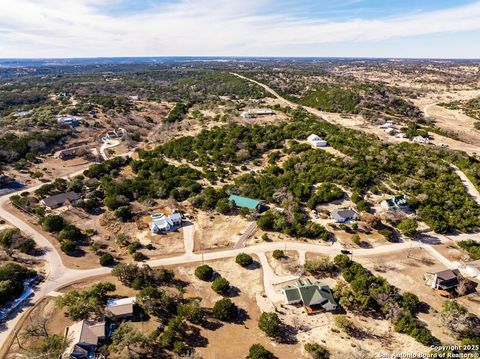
(244, 201)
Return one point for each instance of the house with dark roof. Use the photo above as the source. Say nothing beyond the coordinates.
(61, 199)
(344, 215)
(446, 280)
(245, 202)
(394, 203)
(310, 295)
(83, 338)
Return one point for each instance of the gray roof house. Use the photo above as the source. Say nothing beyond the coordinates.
(310, 294)
(443, 280)
(83, 338)
(61, 199)
(344, 215)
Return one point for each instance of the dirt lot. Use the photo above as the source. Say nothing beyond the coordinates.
(284, 266)
(232, 341)
(228, 341)
(217, 231)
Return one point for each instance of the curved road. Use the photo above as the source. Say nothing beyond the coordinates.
(58, 275)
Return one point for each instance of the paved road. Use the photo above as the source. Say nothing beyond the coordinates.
(58, 275)
(188, 238)
(247, 234)
(469, 186)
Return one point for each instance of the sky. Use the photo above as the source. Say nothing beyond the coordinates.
(293, 28)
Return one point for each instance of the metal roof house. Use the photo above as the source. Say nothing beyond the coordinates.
(245, 202)
(310, 294)
(83, 338)
(61, 199)
(344, 215)
(120, 308)
(257, 112)
(166, 223)
(316, 141)
(398, 202)
(443, 280)
(68, 121)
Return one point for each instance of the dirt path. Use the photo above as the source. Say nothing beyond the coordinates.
(357, 122)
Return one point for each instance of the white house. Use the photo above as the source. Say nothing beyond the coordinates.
(420, 139)
(386, 125)
(257, 113)
(166, 223)
(316, 141)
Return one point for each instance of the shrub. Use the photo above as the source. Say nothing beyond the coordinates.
(278, 254)
(123, 213)
(320, 266)
(106, 259)
(270, 323)
(408, 227)
(257, 351)
(70, 232)
(53, 223)
(244, 259)
(316, 351)
(68, 247)
(345, 324)
(225, 310)
(220, 285)
(204, 272)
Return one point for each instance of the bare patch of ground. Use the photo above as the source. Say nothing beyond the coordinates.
(288, 265)
(213, 230)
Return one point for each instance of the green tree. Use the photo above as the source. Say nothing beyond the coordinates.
(106, 259)
(225, 310)
(278, 254)
(257, 351)
(316, 351)
(124, 213)
(220, 285)
(51, 346)
(204, 272)
(408, 227)
(270, 323)
(53, 223)
(343, 323)
(126, 338)
(244, 259)
(192, 311)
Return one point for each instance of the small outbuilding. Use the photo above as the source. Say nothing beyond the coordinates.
(120, 308)
(316, 141)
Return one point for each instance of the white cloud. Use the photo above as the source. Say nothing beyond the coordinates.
(73, 28)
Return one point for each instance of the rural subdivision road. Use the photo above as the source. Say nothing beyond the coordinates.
(58, 275)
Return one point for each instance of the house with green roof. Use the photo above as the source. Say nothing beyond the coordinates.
(245, 202)
(310, 294)
(393, 203)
